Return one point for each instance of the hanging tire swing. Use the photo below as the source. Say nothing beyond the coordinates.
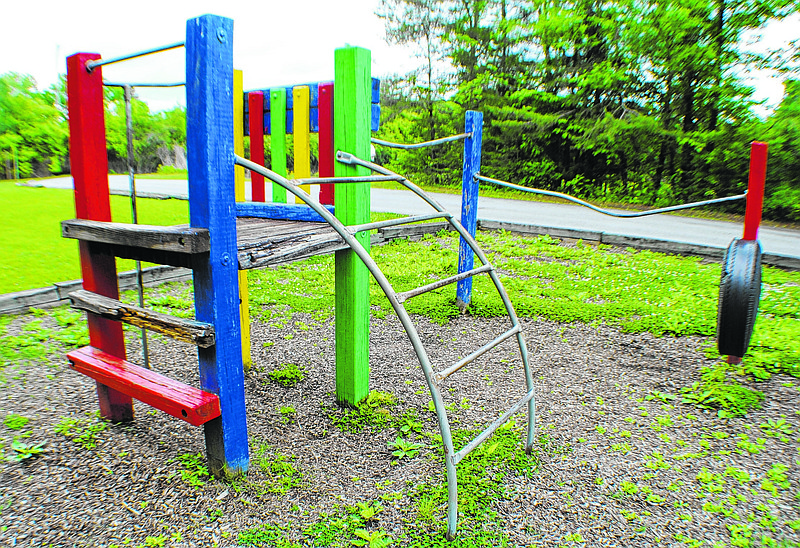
(739, 293)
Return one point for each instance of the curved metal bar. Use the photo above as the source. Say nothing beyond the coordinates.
(405, 319)
(91, 65)
(144, 85)
(523, 348)
(424, 144)
(606, 211)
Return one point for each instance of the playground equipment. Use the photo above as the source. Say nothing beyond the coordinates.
(226, 235)
(740, 283)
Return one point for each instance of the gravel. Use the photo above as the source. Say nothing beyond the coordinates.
(588, 378)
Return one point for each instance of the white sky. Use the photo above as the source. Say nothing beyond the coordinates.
(276, 42)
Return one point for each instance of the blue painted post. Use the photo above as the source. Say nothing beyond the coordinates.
(209, 124)
(469, 201)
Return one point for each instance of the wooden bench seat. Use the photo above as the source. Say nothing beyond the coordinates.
(185, 402)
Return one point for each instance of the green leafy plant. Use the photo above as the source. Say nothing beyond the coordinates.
(82, 431)
(376, 539)
(24, 451)
(194, 470)
(287, 375)
(367, 510)
(15, 422)
(404, 449)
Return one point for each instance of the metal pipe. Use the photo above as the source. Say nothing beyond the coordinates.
(367, 179)
(402, 314)
(403, 297)
(467, 449)
(395, 222)
(128, 93)
(606, 211)
(144, 85)
(444, 373)
(424, 144)
(91, 65)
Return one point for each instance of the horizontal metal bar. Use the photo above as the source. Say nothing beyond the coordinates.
(401, 221)
(402, 297)
(423, 144)
(467, 449)
(606, 211)
(334, 180)
(91, 65)
(444, 373)
(144, 85)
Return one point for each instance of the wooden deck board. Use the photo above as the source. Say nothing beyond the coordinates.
(265, 242)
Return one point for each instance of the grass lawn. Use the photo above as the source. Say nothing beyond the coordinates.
(32, 252)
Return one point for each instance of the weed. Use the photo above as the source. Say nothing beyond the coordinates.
(24, 451)
(15, 422)
(194, 472)
(376, 539)
(288, 374)
(367, 510)
(82, 431)
(404, 449)
(373, 412)
(281, 472)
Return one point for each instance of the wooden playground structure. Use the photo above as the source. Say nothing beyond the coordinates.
(228, 235)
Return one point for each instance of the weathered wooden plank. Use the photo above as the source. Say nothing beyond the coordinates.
(174, 398)
(238, 148)
(89, 166)
(175, 239)
(469, 201)
(209, 136)
(255, 100)
(302, 141)
(277, 117)
(326, 152)
(352, 113)
(181, 329)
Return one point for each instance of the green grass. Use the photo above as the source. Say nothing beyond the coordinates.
(32, 252)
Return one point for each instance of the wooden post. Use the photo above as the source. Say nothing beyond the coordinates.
(469, 202)
(89, 166)
(255, 101)
(352, 112)
(755, 190)
(302, 140)
(277, 122)
(238, 148)
(210, 144)
(326, 152)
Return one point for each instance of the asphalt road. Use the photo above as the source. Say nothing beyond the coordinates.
(663, 227)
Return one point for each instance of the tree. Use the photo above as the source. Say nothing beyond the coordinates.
(32, 130)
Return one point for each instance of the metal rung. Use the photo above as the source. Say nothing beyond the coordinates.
(444, 373)
(394, 222)
(402, 297)
(467, 449)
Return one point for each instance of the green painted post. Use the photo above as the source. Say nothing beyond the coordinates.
(352, 125)
(277, 122)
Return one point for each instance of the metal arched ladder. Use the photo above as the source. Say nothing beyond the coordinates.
(434, 379)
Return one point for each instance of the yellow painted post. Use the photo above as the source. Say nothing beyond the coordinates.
(302, 142)
(238, 148)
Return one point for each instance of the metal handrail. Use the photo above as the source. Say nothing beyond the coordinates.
(607, 211)
(424, 144)
(144, 85)
(91, 65)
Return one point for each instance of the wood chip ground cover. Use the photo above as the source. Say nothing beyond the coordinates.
(619, 459)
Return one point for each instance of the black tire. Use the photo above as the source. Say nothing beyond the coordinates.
(739, 293)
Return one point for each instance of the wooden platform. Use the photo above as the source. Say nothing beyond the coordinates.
(265, 242)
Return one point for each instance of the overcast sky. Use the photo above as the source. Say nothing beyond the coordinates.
(276, 42)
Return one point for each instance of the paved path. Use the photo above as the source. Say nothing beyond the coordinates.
(662, 227)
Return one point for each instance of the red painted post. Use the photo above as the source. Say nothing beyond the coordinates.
(255, 101)
(89, 166)
(326, 152)
(755, 190)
